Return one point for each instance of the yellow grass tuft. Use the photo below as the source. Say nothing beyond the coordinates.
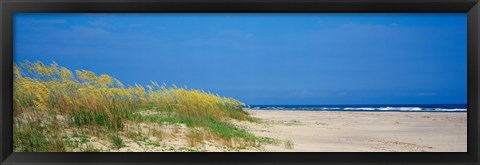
(102, 104)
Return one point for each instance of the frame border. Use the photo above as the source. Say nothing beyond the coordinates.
(9, 7)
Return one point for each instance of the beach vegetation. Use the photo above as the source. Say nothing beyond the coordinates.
(91, 148)
(117, 141)
(50, 99)
(268, 140)
(289, 144)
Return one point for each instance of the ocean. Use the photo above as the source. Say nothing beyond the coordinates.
(368, 108)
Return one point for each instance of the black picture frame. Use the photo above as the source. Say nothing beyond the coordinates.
(9, 7)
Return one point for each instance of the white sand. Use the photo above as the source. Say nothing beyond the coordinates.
(311, 131)
(362, 131)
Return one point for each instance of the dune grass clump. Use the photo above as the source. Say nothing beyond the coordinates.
(117, 141)
(194, 137)
(49, 99)
(37, 139)
(289, 144)
(91, 148)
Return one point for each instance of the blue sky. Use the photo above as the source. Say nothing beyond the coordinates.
(263, 58)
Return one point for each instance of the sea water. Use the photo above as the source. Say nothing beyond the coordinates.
(369, 108)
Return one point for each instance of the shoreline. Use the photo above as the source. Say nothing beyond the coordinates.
(353, 131)
(366, 111)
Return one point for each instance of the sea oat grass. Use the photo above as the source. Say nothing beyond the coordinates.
(101, 105)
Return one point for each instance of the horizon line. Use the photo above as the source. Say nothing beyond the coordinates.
(356, 104)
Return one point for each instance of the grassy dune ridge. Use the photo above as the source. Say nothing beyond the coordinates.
(53, 105)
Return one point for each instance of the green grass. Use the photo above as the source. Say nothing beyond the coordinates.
(267, 140)
(135, 136)
(76, 140)
(91, 148)
(37, 139)
(228, 131)
(221, 129)
(117, 141)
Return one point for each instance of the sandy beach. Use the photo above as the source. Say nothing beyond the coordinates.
(310, 131)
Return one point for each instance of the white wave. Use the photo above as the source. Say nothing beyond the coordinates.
(400, 109)
(327, 108)
(366, 108)
(450, 110)
(405, 109)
